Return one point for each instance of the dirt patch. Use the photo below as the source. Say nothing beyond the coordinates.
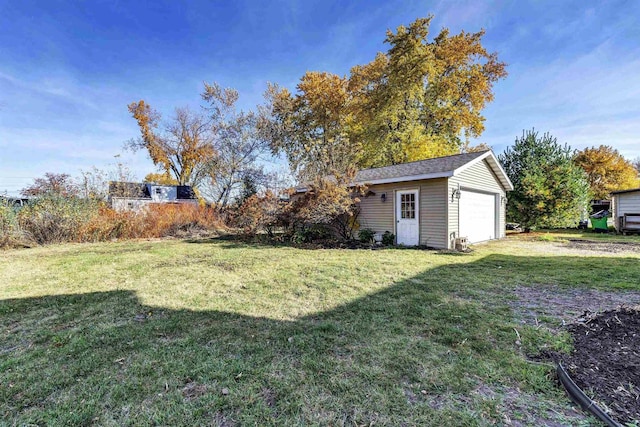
(269, 397)
(560, 246)
(220, 419)
(525, 409)
(193, 390)
(605, 362)
(552, 306)
(604, 247)
(513, 407)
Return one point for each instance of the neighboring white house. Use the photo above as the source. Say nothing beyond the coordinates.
(13, 201)
(133, 196)
(626, 210)
(437, 201)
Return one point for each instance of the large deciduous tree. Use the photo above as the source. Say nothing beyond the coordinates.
(423, 98)
(311, 127)
(181, 146)
(606, 170)
(420, 99)
(238, 146)
(550, 189)
(313, 130)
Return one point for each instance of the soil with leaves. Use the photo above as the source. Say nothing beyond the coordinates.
(605, 362)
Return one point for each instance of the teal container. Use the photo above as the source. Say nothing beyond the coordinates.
(599, 223)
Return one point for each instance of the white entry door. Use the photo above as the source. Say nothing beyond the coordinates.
(407, 218)
(477, 216)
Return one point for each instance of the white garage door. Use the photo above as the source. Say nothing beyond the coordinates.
(477, 216)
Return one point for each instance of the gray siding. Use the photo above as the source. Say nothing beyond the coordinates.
(122, 204)
(433, 213)
(625, 203)
(380, 216)
(376, 214)
(479, 177)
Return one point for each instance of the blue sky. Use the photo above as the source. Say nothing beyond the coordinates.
(69, 69)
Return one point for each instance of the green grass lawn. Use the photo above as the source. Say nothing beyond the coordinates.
(223, 333)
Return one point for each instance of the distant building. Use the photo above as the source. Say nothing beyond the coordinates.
(13, 201)
(626, 210)
(134, 196)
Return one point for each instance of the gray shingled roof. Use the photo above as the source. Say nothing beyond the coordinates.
(128, 189)
(421, 167)
(438, 167)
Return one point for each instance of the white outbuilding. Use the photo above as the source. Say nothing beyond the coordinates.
(626, 210)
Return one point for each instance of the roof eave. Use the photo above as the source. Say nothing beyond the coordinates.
(419, 177)
(491, 158)
(392, 180)
(631, 190)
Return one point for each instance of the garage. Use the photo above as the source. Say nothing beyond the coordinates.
(435, 202)
(477, 216)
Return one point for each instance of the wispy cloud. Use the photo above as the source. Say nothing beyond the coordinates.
(585, 100)
(63, 89)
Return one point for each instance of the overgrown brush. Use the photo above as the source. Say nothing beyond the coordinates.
(261, 213)
(10, 233)
(156, 220)
(56, 219)
(163, 220)
(108, 224)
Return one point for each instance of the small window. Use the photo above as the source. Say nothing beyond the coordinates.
(130, 205)
(408, 206)
(158, 190)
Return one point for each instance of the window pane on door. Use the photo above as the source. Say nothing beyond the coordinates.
(408, 206)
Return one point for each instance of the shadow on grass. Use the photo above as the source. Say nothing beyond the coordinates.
(238, 240)
(415, 353)
(233, 241)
